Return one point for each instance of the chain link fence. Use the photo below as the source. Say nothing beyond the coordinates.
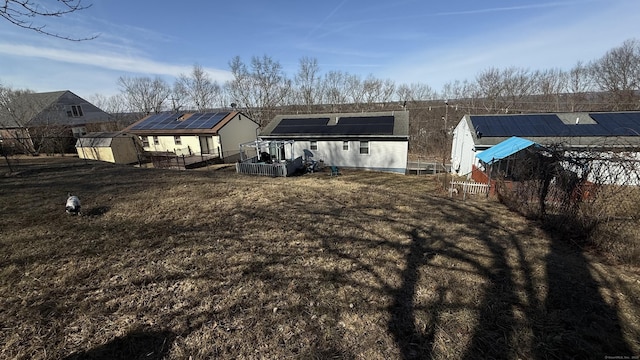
(590, 197)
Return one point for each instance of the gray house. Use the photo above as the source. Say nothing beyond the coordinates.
(35, 122)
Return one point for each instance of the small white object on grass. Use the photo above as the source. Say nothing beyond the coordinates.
(73, 205)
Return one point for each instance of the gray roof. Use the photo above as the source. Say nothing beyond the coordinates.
(325, 126)
(49, 108)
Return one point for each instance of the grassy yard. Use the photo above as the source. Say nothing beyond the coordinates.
(211, 264)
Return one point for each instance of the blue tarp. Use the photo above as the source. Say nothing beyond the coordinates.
(504, 149)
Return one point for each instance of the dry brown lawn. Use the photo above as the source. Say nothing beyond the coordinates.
(210, 264)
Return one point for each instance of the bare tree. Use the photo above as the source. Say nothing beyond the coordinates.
(29, 125)
(618, 73)
(261, 90)
(377, 91)
(414, 92)
(579, 83)
(518, 86)
(491, 88)
(14, 117)
(116, 107)
(550, 85)
(197, 89)
(307, 82)
(354, 89)
(22, 13)
(144, 94)
(334, 87)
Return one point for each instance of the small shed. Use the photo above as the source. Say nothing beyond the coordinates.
(114, 147)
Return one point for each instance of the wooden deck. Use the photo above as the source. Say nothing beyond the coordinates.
(182, 162)
(253, 167)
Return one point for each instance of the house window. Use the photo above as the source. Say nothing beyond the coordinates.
(177, 140)
(156, 141)
(314, 145)
(364, 147)
(145, 141)
(76, 111)
(345, 145)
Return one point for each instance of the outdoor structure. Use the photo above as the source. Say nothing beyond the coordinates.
(371, 141)
(213, 135)
(268, 158)
(45, 122)
(596, 132)
(114, 147)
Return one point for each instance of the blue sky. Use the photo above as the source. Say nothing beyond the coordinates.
(405, 41)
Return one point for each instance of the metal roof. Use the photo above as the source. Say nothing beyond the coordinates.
(504, 149)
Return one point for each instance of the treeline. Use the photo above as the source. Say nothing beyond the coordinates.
(262, 89)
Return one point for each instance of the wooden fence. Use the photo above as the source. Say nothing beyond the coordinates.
(250, 167)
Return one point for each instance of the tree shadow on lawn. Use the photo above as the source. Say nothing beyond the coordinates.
(579, 321)
(309, 298)
(137, 344)
(513, 319)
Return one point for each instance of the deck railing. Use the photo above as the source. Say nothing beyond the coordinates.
(252, 167)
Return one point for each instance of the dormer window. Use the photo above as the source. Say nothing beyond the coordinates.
(76, 111)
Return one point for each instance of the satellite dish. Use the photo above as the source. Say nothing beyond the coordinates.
(234, 105)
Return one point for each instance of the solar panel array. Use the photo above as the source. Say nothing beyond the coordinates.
(170, 121)
(549, 125)
(618, 124)
(357, 125)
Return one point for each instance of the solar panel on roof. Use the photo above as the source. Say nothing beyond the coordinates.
(357, 125)
(618, 124)
(301, 126)
(154, 120)
(519, 125)
(169, 121)
(367, 120)
(304, 121)
(550, 125)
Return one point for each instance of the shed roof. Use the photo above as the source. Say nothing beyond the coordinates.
(504, 149)
(99, 139)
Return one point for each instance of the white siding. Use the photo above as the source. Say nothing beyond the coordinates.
(609, 168)
(463, 151)
(383, 155)
(189, 143)
(237, 131)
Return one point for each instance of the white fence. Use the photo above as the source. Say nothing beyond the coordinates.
(466, 187)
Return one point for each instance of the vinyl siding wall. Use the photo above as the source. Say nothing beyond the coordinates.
(237, 131)
(167, 143)
(390, 156)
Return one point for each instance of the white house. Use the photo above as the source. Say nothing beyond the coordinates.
(599, 131)
(371, 141)
(215, 134)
